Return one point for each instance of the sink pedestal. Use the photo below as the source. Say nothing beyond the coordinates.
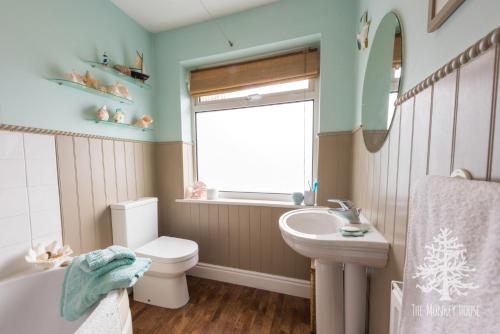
(329, 298)
(355, 300)
(337, 288)
(340, 289)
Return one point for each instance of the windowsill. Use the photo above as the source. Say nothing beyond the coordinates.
(246, 202)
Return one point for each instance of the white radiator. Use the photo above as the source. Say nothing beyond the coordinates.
(396, 300)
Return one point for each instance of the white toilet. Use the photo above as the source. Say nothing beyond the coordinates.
(135, 225)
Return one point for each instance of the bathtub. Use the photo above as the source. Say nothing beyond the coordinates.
(30, 304)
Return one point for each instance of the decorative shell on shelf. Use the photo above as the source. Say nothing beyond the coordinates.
(75, 77)
(144, 122)
(198, 190)
(49, 256)
(89, 81)
(118, 117)
(102, 113)
(118, 89)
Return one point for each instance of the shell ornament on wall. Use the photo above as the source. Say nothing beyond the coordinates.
(362, 35)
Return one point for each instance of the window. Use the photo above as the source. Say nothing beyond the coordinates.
(259, 142)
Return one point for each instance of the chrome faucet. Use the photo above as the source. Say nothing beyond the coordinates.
(347, 209)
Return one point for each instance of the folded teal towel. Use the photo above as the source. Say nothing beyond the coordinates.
(101, 257)
(82, 289)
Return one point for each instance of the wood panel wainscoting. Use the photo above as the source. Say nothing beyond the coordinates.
(94, 173)
(448, 121)
(244, 236)
(236, 236)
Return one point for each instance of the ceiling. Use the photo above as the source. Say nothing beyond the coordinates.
(161, 15)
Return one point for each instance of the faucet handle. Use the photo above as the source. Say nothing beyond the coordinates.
(344, 203)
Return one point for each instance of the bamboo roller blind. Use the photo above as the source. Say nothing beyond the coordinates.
(222, 79)
(397, 57)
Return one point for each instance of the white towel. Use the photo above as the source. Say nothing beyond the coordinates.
(452, 270)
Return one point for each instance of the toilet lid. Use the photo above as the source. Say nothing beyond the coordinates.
(168, 250)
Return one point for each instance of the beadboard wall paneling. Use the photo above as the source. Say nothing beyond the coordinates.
(403, 184)
(94, 173)
(495, 166)
(474, 114)
(449, 121)
(240, 236)
(442, 125)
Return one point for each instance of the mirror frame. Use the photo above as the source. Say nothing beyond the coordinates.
(400, 86)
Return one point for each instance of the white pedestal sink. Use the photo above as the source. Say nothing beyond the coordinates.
(341, 264)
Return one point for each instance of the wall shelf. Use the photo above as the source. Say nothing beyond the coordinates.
(76, 85)
(109, 69)
(123, 125)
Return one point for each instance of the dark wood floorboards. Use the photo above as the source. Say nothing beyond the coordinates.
(217, 307)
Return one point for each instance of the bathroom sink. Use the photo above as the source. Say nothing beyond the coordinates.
(314, 233)
(340, 263)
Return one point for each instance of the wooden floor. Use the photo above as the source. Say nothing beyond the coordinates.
(217, 307)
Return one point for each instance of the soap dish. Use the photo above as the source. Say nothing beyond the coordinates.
(353, 231)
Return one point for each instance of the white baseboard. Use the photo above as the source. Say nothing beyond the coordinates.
(253, 279)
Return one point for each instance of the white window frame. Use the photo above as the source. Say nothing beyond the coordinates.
(312, 93)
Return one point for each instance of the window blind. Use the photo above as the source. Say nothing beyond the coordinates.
(222, 79)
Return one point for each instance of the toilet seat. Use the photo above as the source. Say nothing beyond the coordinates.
(168, 250)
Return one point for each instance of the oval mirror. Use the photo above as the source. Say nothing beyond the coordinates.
(382, 82)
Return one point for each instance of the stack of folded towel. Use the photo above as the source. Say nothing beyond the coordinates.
(91, 276)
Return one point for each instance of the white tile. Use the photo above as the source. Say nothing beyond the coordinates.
(11, 145)
(39, 146)
(14, 230)
(41, 172)
(12, 259)
(43, 198)
(13, 202)
(12, 174)
(45, 223)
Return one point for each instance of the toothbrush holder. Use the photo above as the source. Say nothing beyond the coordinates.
(309, 198)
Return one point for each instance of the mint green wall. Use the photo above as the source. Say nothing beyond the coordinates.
(423, 52)
(41, 39)
(282, 25)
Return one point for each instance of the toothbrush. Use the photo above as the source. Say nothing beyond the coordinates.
(309, 184)
(315, 186)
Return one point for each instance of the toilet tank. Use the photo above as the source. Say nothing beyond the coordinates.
(135, 223)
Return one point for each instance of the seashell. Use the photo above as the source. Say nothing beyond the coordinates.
(74, 76)
(31, 256)
(54, 256)
(43, 257)
(141, 123)
(39, 249)
(118, 117)
(102, 113)
(147, 119)
(122, 89)
(52, 247)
